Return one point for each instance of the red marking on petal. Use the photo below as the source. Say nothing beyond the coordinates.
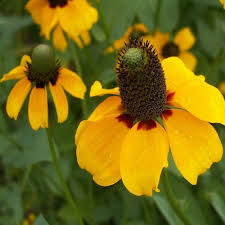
(170, 96)
(166, 114)
(127, 119)
(146, 125)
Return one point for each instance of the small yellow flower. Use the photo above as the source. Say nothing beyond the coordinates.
(122, 138)
(183, 41)
(222, 88)
(29, 220)
(36, 79)
(136, 31)
(223, 3)
(74, 17)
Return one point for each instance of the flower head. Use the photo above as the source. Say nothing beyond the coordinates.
(123, 139)
(133, 32)
(36, 75)
(74, 17)
(183, 41)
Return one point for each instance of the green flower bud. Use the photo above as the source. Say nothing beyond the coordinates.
(43, 59)
(133, 58)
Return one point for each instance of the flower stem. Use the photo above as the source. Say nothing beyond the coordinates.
(61, 178)
(172, 200)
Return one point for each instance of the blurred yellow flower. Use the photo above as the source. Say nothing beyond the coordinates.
(74, 17)
(29, 220)
(111, 146)
(222, 87)
(136, 31)
(58, 80)
(223, 3)
(183, 41)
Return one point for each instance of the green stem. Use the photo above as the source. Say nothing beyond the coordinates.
(172, 200)
(68, 194)
(26, 176)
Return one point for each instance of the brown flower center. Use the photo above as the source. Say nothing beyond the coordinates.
(141, 81)
(55, 3)
(170, 49)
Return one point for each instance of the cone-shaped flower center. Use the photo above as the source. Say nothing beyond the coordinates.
(141, 81)
(44, 67)
(170, 49)
(55, 3)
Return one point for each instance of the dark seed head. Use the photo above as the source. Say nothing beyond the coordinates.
(142, 88)
(55, 3)
(170, 49)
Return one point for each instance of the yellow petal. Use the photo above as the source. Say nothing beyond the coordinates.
(38, 108)
(78, 16)
(202, 100)
(86, 38)
(112, 105)
(60, 100)
(99, 147)
(17, 97)
(222, 87)
(184, 39)
(43, 15)
(144, 154)
(59, 40)
(189, 60)
(176, 73)
(140, 27)
(223, 3)
(72, 83)
(25, 59)
(195, 145)
(97, 90)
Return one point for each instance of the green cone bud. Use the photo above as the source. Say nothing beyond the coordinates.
(43, 59)
(133, 58)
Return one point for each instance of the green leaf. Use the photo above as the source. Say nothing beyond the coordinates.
(168, 15)
(40, 221)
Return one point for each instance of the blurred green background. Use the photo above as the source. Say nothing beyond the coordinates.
(28, 181)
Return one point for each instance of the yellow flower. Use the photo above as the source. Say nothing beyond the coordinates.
(74, 17)
(222, 88)
(112, 145)
(138, 30)
(223, 3)
(29, 220)
(58, 80)
(183, 41)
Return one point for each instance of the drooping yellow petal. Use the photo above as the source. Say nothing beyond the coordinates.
(17, 97)
(222, 88)
(202, 100)
(43, 15)
(112, 105)
(184, 39)
(195, 145)
(97, 90)
(77, 16)
(38, 108)
(143, 156)
(72, 83)
(59, 39)
(60, 100)
(140, 27)
(189, 60)
(99, 147)
(82, 40)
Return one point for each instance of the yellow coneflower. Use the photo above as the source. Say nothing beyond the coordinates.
(223, 3)
(124, 138)
(183, 41)
(74, 17)
(35, 76)
(136, 31)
